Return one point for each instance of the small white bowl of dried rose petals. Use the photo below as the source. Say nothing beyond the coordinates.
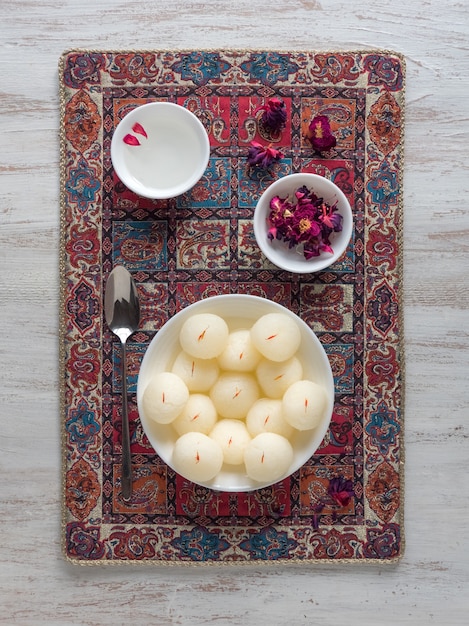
(160, 150)
(303, 223)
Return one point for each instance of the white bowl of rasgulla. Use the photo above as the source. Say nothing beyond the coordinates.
(235, 393)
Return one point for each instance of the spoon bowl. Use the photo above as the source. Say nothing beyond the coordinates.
(122, 311)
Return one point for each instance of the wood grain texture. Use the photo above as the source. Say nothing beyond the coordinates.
(429, 586)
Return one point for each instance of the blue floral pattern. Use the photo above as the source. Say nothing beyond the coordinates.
(200, 67)
(384, 188)
(82, 427)
(83, 185)
(268, 544)
(383, 428)
(270, 67)
(200, 545)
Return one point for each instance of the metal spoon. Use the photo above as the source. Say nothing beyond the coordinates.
(122, 312)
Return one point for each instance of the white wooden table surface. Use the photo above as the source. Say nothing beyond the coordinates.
(430, 584)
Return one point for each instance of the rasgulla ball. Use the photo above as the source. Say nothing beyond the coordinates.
(234, 393)
(204, 335)
(267, 457)
(276, 336)
(275, 377)
(164, 397)
(198, 374)
(233, 437)
(197, 457)
(265, 416)
(239, 355)
(304, 404)
(199, 415)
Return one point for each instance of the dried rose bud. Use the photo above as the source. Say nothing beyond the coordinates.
(341, 490)
(262, 156)
(274, 115)
(320, 135)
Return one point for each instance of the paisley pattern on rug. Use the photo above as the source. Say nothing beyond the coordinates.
(345, 503)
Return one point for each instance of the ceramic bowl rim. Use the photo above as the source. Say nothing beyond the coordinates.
(133, 183)
(162, 437)
(277, 252)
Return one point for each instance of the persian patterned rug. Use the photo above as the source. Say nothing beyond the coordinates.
(346, 502)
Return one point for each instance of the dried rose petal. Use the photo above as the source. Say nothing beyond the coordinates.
(261, 155)
(320, 135)
(331, 220)
(138, 128)
(311, 250)
(274, 115)
(131, 140)
(272, 233)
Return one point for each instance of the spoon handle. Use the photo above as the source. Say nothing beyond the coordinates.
(126, 478)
